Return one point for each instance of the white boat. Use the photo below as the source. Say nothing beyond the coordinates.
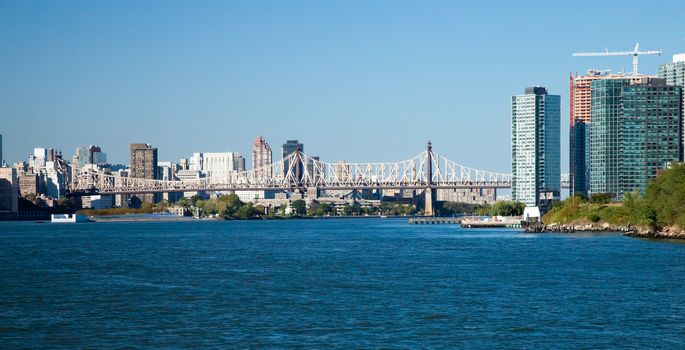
(68, 218)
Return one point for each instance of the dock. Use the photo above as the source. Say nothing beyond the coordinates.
(491, 224)
(434, 220)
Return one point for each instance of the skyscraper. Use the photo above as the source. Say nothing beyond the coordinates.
(238, 162)
(1, 159)
(535, 150)
(87, 155)
(288, 148)
(674, 73)
(261, 158)
(580, 113)
(144, 165)
(635, 131)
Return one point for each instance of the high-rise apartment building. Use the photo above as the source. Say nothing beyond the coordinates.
(674, 74)
(261, 158)
(144, 165)
(9, 192)
(535, 150)
(580, 115)
(635, 131)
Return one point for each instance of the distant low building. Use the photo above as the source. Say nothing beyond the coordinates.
(254, 196)
(97, 202)
(468, 195)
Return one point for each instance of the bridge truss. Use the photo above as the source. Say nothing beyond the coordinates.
(299, 171)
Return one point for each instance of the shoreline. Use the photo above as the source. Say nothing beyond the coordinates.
(626, 230)
(168, 218)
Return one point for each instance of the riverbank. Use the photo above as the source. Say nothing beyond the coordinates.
(626, 230)
(172, 218)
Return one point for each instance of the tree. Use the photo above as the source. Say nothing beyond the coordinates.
(183, 202)
(507, 208)
(325, 209)
(30, 197)
(194, 199)
(313, 208)
(260, 209)
(135, 202)
(299, 207)
(665, 197)
(247, 211)
(146, 207)
(456, 208)
(230, 205)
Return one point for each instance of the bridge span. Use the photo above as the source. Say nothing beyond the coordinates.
(297, 172)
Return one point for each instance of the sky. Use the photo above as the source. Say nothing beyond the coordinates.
(352, 80)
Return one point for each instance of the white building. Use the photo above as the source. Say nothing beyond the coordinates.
(166, 171)
(97, 202)
(535, 149)
(218, 166)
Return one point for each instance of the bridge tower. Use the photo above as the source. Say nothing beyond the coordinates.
(429, 194)
(299, 168)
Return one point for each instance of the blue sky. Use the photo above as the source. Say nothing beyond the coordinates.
(353, 80)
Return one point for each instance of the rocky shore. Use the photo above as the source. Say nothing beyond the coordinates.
(627, 230)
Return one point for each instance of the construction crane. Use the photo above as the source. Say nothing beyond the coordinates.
(633, 53)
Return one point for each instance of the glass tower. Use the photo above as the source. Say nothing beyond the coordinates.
(535, 147)
(651, 132)
(674, 74)
(635, 131)
(288, 148)
(606, 145)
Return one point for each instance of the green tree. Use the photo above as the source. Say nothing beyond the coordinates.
(183, 202)
(247, 211)
(230, 205)
(299, 207)
(325, 209)
(665, 197)
(507, 208)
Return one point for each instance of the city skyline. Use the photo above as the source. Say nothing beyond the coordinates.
(294, 71)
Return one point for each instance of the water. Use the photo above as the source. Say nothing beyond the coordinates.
(335, 284)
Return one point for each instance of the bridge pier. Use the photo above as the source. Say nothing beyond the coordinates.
(429, 209)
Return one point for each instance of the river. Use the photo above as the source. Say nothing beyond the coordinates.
(339, 283)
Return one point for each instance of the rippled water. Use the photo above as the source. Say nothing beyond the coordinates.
(334, 283)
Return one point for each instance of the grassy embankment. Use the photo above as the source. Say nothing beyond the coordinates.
(661, 206)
